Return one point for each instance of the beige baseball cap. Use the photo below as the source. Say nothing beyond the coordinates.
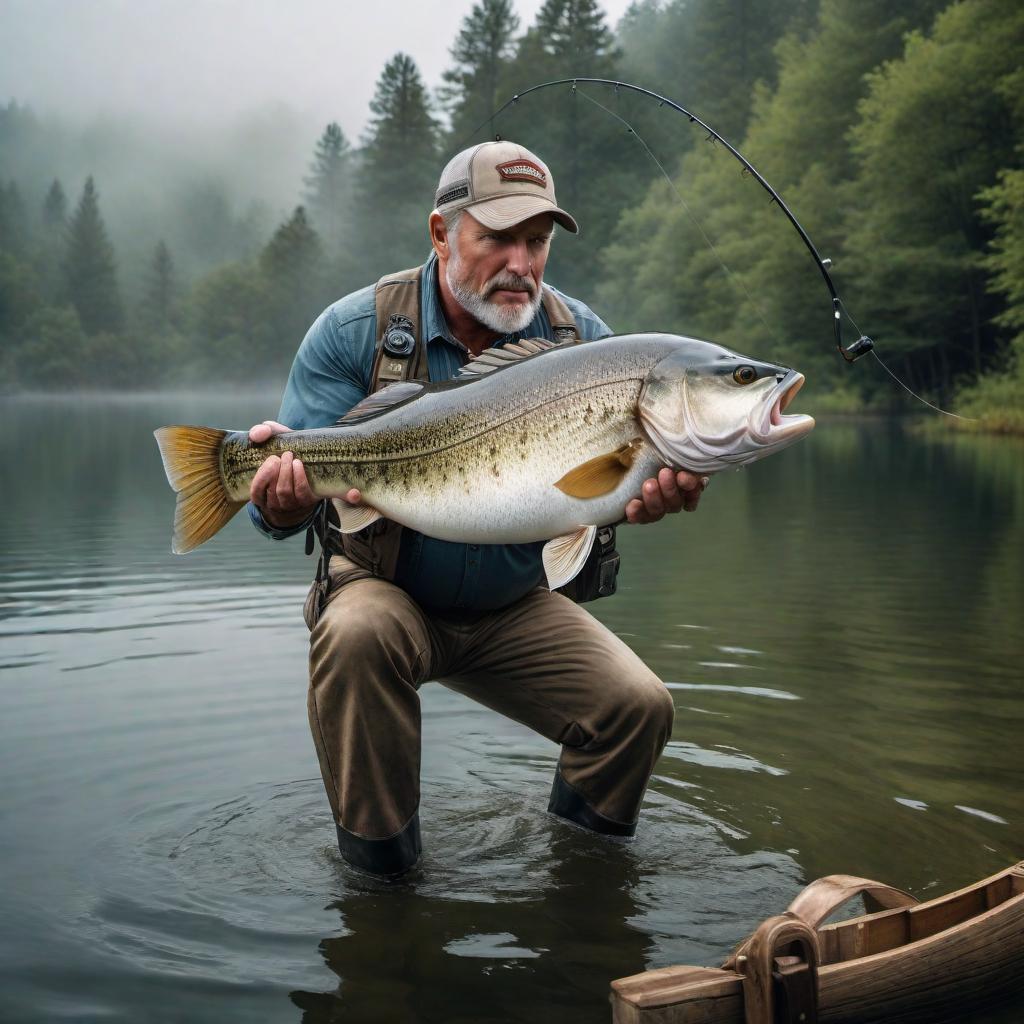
(501, 184)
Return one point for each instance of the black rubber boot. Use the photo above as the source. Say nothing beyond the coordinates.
(387, 858)
(568, 804)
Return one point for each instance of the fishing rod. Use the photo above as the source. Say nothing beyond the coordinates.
(850, 353)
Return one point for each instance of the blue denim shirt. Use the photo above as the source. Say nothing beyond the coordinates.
(331, 373)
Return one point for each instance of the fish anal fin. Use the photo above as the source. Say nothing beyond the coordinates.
(564, 556)
(353, 518)
(602, 474)
(381, 401)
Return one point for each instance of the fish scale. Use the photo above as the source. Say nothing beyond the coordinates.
(526, 446)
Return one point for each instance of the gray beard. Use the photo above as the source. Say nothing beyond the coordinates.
(501, 318)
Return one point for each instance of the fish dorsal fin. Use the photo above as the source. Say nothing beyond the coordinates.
(495, 358)
(600, 475)
(380, 401)
(564, 556)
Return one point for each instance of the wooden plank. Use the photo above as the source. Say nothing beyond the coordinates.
(969, 964)
(972, 954)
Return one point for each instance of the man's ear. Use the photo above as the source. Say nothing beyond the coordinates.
(439, 236)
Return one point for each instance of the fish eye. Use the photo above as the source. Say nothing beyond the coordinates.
(744, 375)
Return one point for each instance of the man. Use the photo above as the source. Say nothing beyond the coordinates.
(472, 616)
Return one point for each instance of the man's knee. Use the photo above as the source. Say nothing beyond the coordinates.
(371, 627)
(647, 710)
(658, 710)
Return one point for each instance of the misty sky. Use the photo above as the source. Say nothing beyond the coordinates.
(202, 61)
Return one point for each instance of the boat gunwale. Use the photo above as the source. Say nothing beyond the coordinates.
(720, 983)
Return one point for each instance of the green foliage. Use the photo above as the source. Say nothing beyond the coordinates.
(1003, 208)
(995, 401)
(398, 172)
(55, 207)
(592, 159)
(708, 54)
(482, 53)
(13, 219)
(19, 295)
(51, 352)
(913, 217)
(893, 131)
(226, 320)
(328, 186)
(574, 31)
(90, 277)
(996, 398)
(773, 303)
(294, 286)
(161, 287)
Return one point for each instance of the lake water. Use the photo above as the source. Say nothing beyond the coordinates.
(840, 626)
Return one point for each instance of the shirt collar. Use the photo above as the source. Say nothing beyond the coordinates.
(435, 324)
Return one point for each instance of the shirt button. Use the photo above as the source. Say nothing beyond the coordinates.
(474, 547)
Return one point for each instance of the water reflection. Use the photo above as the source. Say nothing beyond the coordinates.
(839, 627)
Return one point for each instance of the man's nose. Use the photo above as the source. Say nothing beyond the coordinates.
(518, 259)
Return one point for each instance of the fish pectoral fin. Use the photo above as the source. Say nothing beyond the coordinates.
(354, 518)
(564, 556)
(601, 475)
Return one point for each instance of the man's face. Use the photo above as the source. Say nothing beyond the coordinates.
(496, 275)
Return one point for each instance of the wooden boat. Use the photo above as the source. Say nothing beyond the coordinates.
(904, 961)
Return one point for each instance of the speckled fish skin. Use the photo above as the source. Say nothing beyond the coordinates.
(478, 461)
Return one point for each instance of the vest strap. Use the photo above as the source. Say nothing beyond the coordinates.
(401, 354)
(563, 323)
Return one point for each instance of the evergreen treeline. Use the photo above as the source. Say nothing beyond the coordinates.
(894, 132)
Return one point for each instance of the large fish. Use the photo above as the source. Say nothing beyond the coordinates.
(532, 442)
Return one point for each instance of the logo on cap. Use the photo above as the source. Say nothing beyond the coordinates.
(522, 170)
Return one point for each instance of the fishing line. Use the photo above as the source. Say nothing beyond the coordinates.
(736, 282)
(850, 353)
(914, 394)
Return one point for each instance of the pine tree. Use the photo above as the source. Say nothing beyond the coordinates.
(482, 50)
(52, 241)
(55, 207)
(574, 32)
(399, 171)
(90, 277)
(293, 269)
(13, 221)
(328, 186)
(593, 161)
(161, 288)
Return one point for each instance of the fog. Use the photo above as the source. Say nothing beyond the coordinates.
(190, 63)
(166, 102)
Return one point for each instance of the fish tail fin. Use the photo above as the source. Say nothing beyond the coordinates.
(191, 457)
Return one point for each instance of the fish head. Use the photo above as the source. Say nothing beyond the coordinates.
(706, 408)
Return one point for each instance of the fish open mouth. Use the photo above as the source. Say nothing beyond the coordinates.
(779, 426)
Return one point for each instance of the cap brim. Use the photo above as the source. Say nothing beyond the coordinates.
(507, 211)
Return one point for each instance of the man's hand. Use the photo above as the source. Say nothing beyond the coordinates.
(280, 488)
(668, 492)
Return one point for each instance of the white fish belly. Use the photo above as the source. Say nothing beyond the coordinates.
(501, 488)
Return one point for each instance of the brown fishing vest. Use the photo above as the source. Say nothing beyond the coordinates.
(402, 355)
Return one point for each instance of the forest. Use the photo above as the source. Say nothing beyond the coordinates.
(895, 133)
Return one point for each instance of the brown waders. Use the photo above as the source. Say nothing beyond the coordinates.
(542, 661)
